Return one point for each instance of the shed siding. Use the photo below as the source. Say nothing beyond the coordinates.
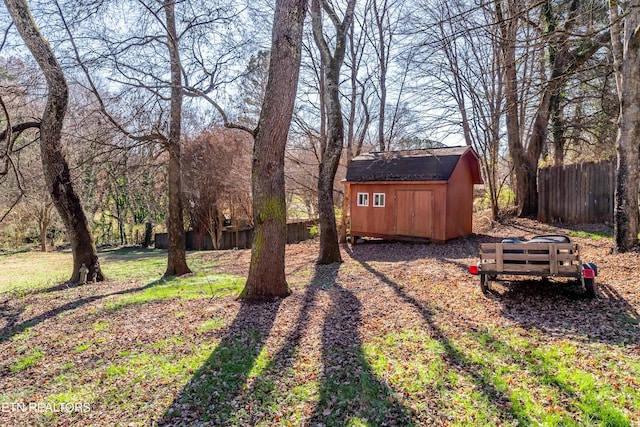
(460, 201)
(382, 221)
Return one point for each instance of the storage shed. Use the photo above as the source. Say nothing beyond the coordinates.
(425, 194)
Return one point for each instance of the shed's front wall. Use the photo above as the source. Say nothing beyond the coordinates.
(417, 206)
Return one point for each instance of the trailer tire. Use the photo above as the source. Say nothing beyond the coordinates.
(484, 284)
(590, 288)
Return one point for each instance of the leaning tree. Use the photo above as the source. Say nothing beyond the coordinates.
(56, 168)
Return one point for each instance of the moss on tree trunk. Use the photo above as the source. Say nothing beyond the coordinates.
(266, 278)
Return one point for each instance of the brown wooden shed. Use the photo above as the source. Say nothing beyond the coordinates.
(426, 194)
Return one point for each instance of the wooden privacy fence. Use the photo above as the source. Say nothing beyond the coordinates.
(577, 194)
(241, 239)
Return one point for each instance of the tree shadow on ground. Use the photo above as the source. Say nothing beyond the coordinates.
(559, 308)
(214, 392)
(10, 316)
(490, 356)
(345, 390)
(454, 357)
(350, 391)
(126, 252)
(529, 228)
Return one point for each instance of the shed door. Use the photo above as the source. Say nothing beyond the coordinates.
(414, 213)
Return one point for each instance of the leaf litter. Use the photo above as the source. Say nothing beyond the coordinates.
(397, 334)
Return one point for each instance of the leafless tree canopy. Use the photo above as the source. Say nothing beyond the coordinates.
(154, 84)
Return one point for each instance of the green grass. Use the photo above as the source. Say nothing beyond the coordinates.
(126, 382)
(592, 235)
(30, 359)
(168, 360)
(491, 374)
(32, 271)
(551, 384)
(100, 325)
(29, 271)
(82, 347)
(197, 286)
(211, 325)
(133, 263)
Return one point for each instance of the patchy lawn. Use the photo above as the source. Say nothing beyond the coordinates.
(398, 334)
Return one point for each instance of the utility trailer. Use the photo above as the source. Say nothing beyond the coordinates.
(542, 256)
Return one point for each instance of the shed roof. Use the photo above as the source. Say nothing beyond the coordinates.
(433, 164)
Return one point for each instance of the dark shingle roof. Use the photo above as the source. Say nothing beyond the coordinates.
(434, 164)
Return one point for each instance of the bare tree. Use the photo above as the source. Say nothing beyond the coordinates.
(176, 260)
(18, 131)
(359, 116)
(625, 39)
(56, 168)
(565, 58)
(266, 278)
(152, 81)
(382, 38)
(459, 52)
(329, 248)
(37, 202)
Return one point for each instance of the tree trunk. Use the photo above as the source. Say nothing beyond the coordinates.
(329, 246)
(43, 236)
(525, 162)
(351, 131)
(525, 168)
(148, 231)
(563, 62)
(627, 63)
(266, 278)
(521, 164)
(344, 221)
(56, 168)
(557, 130)
(219, 229)
(382, 62)
(176, 254)
(44, 220)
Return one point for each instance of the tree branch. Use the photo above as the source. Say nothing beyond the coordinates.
(152, 137)
(195, 92)
(316, 26)
(16, 130)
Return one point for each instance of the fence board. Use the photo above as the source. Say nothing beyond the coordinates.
(576, 194)
(240, 239)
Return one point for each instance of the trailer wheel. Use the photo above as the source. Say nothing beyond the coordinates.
(590, 288)
(484, 284)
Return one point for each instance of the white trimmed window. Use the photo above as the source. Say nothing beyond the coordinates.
(363, 199)
(378, 200)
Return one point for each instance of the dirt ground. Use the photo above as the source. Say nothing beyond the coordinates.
(381, 287)
(388, 275)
